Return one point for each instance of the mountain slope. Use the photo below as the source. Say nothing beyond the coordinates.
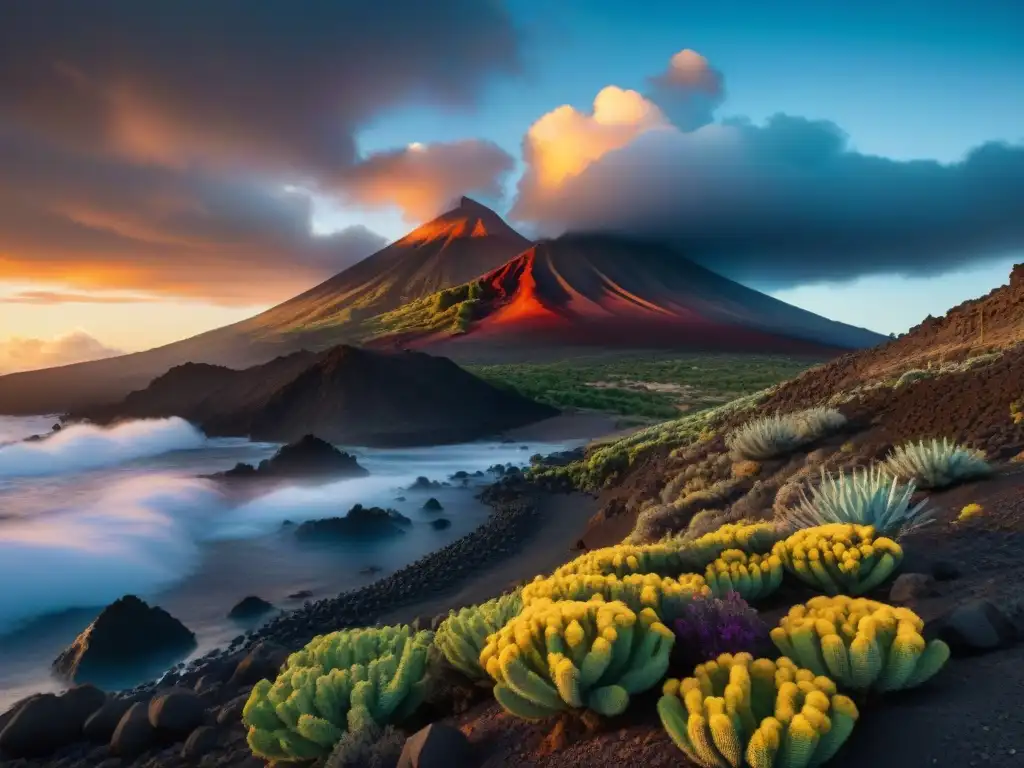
(598, 290)
(455, 247)
(343, 395)
(969, 334)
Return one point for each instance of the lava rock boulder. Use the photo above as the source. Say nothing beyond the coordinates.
(127, 632)
(359, 522)
(250, 607)
(436, 746)
(307, 457)
(46, 722)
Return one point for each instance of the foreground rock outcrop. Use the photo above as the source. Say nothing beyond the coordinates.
(307, 458)
(44, 723)
(360, 522)
(127, 632)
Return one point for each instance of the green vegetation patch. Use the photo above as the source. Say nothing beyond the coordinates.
(605, 462)
(642, 384)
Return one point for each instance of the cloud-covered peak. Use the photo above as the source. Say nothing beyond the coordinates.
(785, 202)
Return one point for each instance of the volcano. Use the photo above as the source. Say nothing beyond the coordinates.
(606, 291)
(468, 286)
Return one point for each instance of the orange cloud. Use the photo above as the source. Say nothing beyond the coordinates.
(690, 71)
(565, 142)
(59, 297)
(21, 354)
(423, 179)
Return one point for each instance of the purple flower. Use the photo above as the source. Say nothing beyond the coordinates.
(711, 626)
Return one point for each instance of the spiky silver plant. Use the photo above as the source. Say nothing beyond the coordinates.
(936, 463)
(771, 436)
(866, 497)
(765, 438)
(815, 423)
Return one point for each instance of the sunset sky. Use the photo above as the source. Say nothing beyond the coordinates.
(163, 173)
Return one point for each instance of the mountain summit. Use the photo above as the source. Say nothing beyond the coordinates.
(452, 249)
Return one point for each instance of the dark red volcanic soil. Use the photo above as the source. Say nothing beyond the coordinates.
(992, 322)
(971, 407)
(609, 292)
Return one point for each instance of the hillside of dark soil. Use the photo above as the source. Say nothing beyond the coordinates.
(977, 327)
(344, 395)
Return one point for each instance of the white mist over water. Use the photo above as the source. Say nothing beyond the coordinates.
(138, 537)
(91, 514)
(85, 446)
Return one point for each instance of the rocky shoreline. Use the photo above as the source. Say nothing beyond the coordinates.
(215, 687)
(499, 536)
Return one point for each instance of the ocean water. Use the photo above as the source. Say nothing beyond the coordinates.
(92, 514)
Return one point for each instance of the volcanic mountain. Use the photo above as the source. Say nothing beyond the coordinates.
(456, 247)
(600, 290)
(468, 286)
(343, 395)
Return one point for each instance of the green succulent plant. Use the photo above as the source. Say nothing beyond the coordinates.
(462, 636)
(737, 711)
(779, 434)
(840, 559)
(752, 577)
(624, 559)
(665, 595)
(861, 644)
(345, 681)
(750, 538)
(566, 655)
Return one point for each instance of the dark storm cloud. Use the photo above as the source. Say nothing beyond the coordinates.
(790, 202)
(162, 134)
(230, 81)
(98, 223)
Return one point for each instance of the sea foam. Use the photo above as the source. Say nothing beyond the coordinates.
(82, 447)
(138, 537)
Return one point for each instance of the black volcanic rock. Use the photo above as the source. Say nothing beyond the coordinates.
(423, 483)
(127, 632)
(249, 608)
(308, 457)
(359, 522)
(44, 723)
(345, 395)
